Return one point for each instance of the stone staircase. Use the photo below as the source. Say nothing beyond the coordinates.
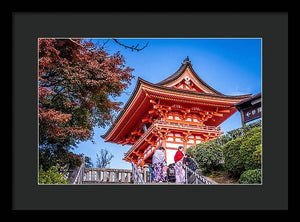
(95, 176)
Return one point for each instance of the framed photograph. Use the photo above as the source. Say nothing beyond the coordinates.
(183, 105)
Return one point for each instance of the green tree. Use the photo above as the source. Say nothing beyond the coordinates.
(88, 162)
(241, 132)
(51, 176)
(63, 159)
(251, 132)
(223, 139)
(236, 133)
(208, 154)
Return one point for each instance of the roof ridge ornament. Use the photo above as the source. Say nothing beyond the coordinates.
(186, 60)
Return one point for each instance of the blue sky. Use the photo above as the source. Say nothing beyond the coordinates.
(231, 66)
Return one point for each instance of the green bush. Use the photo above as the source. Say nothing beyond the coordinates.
(51, 176)
(241, 132)
(253, 131)
(250, 177)
(233, 162)
(241, 150)
(222, 140)
(204, 170)
(251, 126)
(257, 154)
(242, 153)
(191, 151)
(249, 153)
(217, 168)
(208, 155)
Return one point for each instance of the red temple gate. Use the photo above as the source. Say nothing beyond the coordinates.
(181, 110)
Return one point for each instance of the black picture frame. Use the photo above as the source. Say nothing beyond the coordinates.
(273, 27)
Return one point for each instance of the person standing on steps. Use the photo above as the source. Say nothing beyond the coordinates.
(179, 169)
(192, 165)
(159, 161)
(171, 173)
(151, 172)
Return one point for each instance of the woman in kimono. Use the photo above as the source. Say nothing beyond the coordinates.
(159, 161)
(179, 170)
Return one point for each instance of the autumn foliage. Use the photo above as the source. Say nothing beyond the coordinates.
(77, 81)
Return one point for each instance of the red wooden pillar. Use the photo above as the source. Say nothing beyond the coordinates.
(184, 139)
(184, 146)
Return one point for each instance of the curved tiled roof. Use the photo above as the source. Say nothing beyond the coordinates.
(219, 95)
(248, 99)
(186, 63)
(140, 81)
(171, 78)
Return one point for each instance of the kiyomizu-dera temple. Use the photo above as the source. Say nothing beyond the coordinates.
(180, 110)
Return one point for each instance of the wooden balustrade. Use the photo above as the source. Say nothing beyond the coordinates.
(189, 125)
(106, 175)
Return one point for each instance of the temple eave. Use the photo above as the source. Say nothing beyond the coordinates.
(175, 95)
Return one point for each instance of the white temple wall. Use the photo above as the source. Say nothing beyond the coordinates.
(170, 155)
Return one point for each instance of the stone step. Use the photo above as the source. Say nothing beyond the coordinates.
(148, 183)
(99, 182)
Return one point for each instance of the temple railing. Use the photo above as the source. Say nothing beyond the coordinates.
(190, 126)
(134, 176)
(106, 175)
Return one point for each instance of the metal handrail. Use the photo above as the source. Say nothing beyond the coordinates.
(135, 171)
(198, 177)
(80, 172)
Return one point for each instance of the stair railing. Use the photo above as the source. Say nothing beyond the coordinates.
(197, 176)
(135, 172)
(79, 176)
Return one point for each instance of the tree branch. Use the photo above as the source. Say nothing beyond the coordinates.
(132, 47)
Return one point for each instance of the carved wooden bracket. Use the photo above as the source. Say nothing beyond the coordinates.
(138, 131)
(162, 133)
(206, 115)
(209, 136)
(151, 140)
(160, 110)
(185, 137)
(140, 155)
(184, 112)
(130, 139)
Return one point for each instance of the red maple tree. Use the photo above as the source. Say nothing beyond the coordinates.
(77, 81)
